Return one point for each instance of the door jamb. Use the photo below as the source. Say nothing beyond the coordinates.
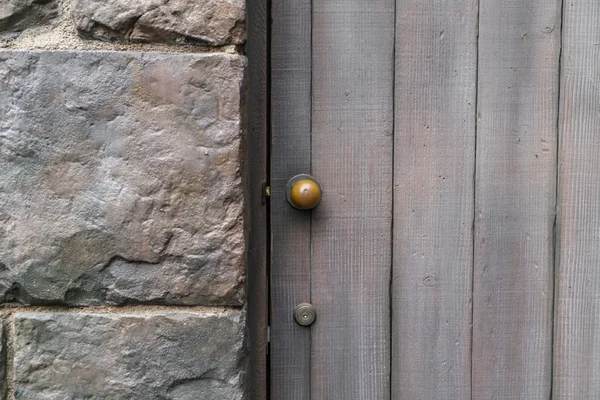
(257, 213)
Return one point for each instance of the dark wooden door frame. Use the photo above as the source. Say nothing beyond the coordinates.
(256, 216)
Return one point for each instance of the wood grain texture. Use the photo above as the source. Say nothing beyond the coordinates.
(519, 45)
(256, 216)
(290, 228)
(352, 143)
(577, 306)
(434, 161)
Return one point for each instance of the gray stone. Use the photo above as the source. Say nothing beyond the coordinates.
(212, 22)
(173, 355)
(17, 15)
(3, 363)
(121, 178)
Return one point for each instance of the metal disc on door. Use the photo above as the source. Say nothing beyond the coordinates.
(305, 314)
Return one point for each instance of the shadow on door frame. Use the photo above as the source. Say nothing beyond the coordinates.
(256, 177)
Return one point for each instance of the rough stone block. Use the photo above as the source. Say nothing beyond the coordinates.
(121, 178)
(179, 356)
(3, 363)
(212, 22)
(17, 15)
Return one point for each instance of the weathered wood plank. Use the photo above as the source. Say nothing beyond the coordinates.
(290, 228)
(577, 305)
(353, 44)
(256, 216)
(434, 161)
(519, 45)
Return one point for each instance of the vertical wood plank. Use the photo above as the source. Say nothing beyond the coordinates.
(290, 155)
(519, 45)
(256, 216)
(577, 306)
(352, 142)
(434, 161)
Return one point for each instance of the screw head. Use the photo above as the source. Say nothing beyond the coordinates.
(305, 314)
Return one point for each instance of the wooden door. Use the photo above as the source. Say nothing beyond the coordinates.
(454, 254)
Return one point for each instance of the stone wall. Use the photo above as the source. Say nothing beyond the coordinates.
(122, 249)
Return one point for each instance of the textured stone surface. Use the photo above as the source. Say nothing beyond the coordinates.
(101, 356)
(16, 15)
(214, 22)
(120, 178)
(3, 364)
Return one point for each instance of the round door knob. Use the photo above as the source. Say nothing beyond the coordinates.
(303, 192)
(305, 314)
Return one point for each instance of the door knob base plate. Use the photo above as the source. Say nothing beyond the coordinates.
(305, 314)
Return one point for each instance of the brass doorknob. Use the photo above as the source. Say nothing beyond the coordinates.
(303, 192)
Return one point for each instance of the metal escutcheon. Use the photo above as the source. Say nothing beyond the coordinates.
(303, 192)
(305, 314)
